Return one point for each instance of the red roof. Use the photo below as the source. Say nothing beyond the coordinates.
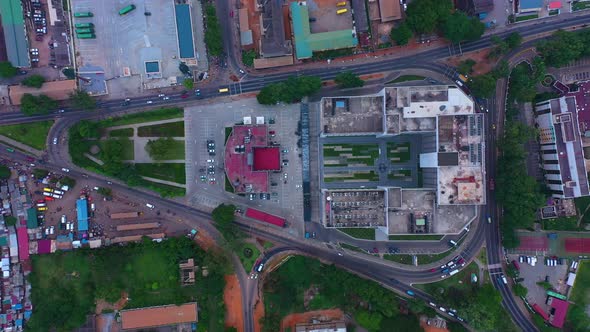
(265, 217)
(540, 311)
(266, 159)
(555, 5)
(44, 246)
(560, 311)
(23, 243)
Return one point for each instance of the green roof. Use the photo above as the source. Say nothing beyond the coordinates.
(306, 42)
(32, 218)
(3, 241)
(13, 24)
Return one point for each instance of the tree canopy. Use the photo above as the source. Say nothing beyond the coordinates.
(32, 105)
(188, 83)
(466, 66)
(483, 86)
(34, 81)
(4, 172)
(69, 73)
(213, 38)
(82, 100)
(523, 80)
(7, 70)
(290, 91)
(564, 47)
(459, 27)
(88, 129)
(158, 149)
(502, 70)
(401, 35)
(348, 80)
(424, 16)
(248, 57)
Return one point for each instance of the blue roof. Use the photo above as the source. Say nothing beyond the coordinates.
(82, 211)
(184, 29)
(531, 4)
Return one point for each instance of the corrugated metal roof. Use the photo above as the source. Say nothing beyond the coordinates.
(82, 213)
(32, 218)
(13, 24)
(246, 38)
(306, 42)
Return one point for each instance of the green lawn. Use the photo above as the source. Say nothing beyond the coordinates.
(123, 132)
(171, 129)
(33, 134)
(176, 152)
(161, 114)
(483, 256)
(360, 233)
(580, 5)
(368, 176)
(582, 204)
(427, 259)
(228, 131)
(128, 153)
(562, 224)
(580, 298)
(402, 259)
(351, 247)
(247, 262)
(398, 152)
(169, 172)
(228, 187)
(267, 245)
(407, 78)
(163, 189)
(461, 281)
(429, 237)
(345, 154)
(526, 17)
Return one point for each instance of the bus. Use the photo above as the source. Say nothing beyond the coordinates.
(341, 11)
(126, 10)
(10, 150)
(85, 30)
(341, 4)
(83, 25)
(86, 36)
(556, 295)
(83, 14)
(48, 190)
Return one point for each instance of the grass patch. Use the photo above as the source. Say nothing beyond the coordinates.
(427, 237)
(553, 12)
(398, 152)
(267, 245)
(580, 5)
(128, 150)
(427, 259)
(228, 131)
(163, 189)
(122, 132)
(526, 17)
(176, 151)
(483, 256)
(32, 134)
(345, 154)
(351, 247)
(562, 224)
(402, 259)
(247, 261)
(400, 174)
(171, 129)
(407, 78)
(228, 187)
(580, 298)
(582, 204)
(368, 176)
(359, 233)
(169, 172)
(161, 114)
(460, 281)
(65, 285)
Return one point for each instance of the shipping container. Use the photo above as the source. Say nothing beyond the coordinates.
(124, 215)
(132, 227)
(83, 14)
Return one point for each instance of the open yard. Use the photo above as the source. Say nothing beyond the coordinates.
(248, 254)
(359, 233)
(398, 152)
(351, 177)
(175, 151)
(170, 129)
(169, 172)
(342, 155)
(580, 297)
(123, 132)
(161, 114)
(399, 258)
(32, 134)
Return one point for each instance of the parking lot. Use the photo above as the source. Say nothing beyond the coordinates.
(203, 123)
(124, 43)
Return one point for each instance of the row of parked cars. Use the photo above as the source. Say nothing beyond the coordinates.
(39, 20)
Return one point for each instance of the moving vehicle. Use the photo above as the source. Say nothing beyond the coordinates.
(341, 11)
(10, 150)
(454, 272)
(83, 25)
(83, 14)
(502, 279)
(65, 170)
(452, 243)
(463, 78)
(223, 90)
(489, 220)
(409, 292)
(341, 4)
(151, 206)
(126, 10)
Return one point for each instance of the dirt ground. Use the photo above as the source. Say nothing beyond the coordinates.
(432, 328)
(106, 322)
(258, 315)
(483, 64)
(232, 297)
(323, 315)
(204, 240)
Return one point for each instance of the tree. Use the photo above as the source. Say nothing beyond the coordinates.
(188, 83)
(520, 290)
(34, 81)
(401, 35)
(502, 70)
(106, 192)
(10, 220)
(522, 84)
(88, 129)
(82, 100)
(184, 68)
(483, 85)
(369, 320)
(500, 47)
(69, 73)
(159, 149)
(7, 70)
(224, 214)
(4, 172)
(68, 181)
(466, 66)
(31, 105)
(348, 80)
(290, 91)
(111, 154)
(562, 49)
(40, 173)
(213, 38)
(425, 16)
(248, 57)
(459, 27)
(513, 40)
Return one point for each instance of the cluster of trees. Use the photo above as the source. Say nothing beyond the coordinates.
(7, 70)
(484, 86)
(519, 193)
(248, 57)
(188, 83)
(503, 46)
(402, 34)
(290, 91)
(565, 47)
(109, 272)
(69, 73)
(82, 100)
(213, 33)
(159, 149)
(34, 81)
(35, 105)
(373, 307)
(466, 67)
(348, 80)
(524, 79)
(4, 172)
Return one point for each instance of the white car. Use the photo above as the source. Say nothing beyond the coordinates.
(165, 98)
(149, 102)
(151, 206)
(65, 170)
(55, 140)
(51, 230)
(210, 161)
(161, 95)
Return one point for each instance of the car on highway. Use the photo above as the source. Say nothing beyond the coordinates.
(260, 267)
(151, 206)
(165, 98)
(161, 95)
(65, 170)
(489, 220)
(409, 292)
(340, 254)
(55, 140)
(242, 72)
(149, 102)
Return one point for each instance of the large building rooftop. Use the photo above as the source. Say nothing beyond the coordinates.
(158, 316)
(13, 24)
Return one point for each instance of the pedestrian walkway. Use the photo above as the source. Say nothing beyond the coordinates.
(21, 146)
(168, 183)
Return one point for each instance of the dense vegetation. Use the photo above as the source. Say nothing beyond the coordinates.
(213, 33)
(373, 307)
(577, 317)
(7, 70)
(37, 105)
(65, 285)
(565, 47)
(4, 172)
(248, 57)
(34, 81)
(82, 100)
(290, 91)
(401, 35)
(503, 46)
(348, 80)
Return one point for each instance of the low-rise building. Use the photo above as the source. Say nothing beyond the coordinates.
(151, 317)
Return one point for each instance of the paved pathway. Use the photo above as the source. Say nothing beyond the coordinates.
(96, 160)
(21, 146)
(168, 183)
